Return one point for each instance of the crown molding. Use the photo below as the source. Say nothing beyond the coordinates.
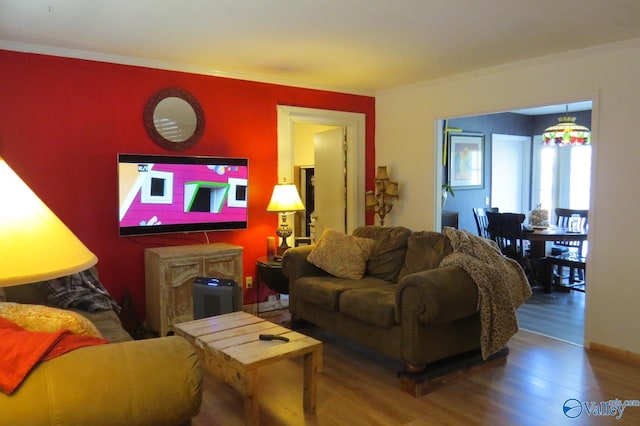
(168, 66)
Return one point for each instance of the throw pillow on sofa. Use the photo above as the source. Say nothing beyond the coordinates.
(341, 255)
(82, 290)
(387, 256)
(425, 251)
(47, 319)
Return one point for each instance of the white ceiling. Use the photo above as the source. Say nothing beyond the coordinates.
(355, 46)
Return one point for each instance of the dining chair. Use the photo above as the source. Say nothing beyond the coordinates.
(573, 260)
(563, 217)
(480, 215)
(506, 230)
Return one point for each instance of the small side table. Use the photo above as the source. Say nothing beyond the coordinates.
(270, 273)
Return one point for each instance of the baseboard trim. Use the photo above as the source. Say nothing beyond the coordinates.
(616, 353)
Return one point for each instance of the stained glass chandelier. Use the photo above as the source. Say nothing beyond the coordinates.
(567, 132)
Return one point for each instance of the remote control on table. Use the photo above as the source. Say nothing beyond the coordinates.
(273, 337)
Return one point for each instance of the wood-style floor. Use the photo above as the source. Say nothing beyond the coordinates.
(359, 387)
(559, 315)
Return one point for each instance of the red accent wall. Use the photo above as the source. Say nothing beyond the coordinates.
(62, 122)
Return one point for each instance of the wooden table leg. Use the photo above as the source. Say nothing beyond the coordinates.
(547, 275)
(537, 249)
(312, 362)
(540, 264)
(251, 401)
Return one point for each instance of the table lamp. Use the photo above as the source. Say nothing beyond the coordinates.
(284, 200)
(34, 244)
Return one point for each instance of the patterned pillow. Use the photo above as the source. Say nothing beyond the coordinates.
(47, 319)
(343, 256)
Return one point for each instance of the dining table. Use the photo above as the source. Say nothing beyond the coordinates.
(538, 238)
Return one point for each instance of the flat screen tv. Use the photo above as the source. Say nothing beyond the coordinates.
(162, 194)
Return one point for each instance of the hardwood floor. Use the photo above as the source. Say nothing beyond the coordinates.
(558, 315)
(359, 387)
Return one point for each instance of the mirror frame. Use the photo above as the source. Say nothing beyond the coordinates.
(150, 107)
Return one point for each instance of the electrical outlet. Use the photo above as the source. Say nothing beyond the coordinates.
(248, 281)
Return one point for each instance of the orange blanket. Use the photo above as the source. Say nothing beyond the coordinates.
(21, 350)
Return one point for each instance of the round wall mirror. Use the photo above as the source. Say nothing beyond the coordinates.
(174, 119)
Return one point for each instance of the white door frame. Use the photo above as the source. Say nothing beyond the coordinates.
(355, 127)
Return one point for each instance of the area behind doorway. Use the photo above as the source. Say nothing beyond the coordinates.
(557, 315)
(552, 176)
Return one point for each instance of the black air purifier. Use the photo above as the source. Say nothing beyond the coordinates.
(213, 296)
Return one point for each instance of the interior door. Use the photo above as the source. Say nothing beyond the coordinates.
(330, 182)
(510, 173)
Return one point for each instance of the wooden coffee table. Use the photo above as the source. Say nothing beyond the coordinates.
(230, 350)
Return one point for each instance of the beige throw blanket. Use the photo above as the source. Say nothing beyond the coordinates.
(502, 286)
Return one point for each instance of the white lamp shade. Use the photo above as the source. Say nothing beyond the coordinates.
(285, 198)
(34, 244)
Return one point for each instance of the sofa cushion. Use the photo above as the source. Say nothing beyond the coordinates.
(47, 319)
(27, 293)
(388, 253)
(341, 255)
(108, 324)
(374, 305)
(425, 251)
(326, 291)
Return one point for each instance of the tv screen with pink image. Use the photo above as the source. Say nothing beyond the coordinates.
(161, 194)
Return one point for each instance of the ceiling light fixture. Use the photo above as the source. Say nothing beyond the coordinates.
(567, 132)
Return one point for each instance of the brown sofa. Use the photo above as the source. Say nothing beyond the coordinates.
(126, 382)
(405, 306)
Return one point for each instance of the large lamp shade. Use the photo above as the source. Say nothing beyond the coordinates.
(285, 198)
(34, 244)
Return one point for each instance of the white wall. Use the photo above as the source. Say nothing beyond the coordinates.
(610, 75)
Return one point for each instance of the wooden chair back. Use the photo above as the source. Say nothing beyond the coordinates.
(480, 215)
(506, 230)
(562, 220)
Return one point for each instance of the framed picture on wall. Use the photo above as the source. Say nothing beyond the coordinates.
(466, 160)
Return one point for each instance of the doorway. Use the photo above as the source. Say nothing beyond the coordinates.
(354, 163)
(530, 122)
(510, 172)
(330, 182)
(319, 156)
